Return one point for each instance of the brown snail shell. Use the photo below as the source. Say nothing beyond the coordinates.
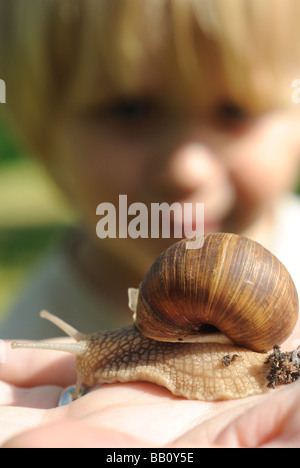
(232, 284)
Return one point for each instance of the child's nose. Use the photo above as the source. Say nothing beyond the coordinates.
(193, 165)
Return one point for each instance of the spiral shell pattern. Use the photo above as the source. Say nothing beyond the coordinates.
(232, 285)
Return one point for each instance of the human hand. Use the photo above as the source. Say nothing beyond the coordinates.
(134, 414)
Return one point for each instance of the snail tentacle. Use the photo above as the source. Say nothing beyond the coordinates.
(78, 348)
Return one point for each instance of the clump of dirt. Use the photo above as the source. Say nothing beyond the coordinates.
(284, 367)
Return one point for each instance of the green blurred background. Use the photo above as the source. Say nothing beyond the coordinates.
(33, 215)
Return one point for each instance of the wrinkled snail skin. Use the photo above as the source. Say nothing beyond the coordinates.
(188, 370)
(232, 285)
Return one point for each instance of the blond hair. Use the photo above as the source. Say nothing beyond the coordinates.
(67, 52)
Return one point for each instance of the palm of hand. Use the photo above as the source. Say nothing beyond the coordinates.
(133, 414)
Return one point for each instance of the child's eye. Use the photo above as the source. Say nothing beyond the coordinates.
(127, 111)
(231, 115)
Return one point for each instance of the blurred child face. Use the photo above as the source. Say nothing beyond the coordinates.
(166, 144)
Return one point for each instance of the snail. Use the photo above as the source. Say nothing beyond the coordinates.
(193, 310)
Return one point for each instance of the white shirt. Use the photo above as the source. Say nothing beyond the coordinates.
(285, 242)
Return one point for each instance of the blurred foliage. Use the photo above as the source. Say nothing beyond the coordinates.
(33, 215)
(23, 244)
(10, 152)
(20, 249)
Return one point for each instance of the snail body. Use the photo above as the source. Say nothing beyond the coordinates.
(232, 295)
(188, 370)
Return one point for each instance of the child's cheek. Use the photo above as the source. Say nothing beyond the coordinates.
(265, 162)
